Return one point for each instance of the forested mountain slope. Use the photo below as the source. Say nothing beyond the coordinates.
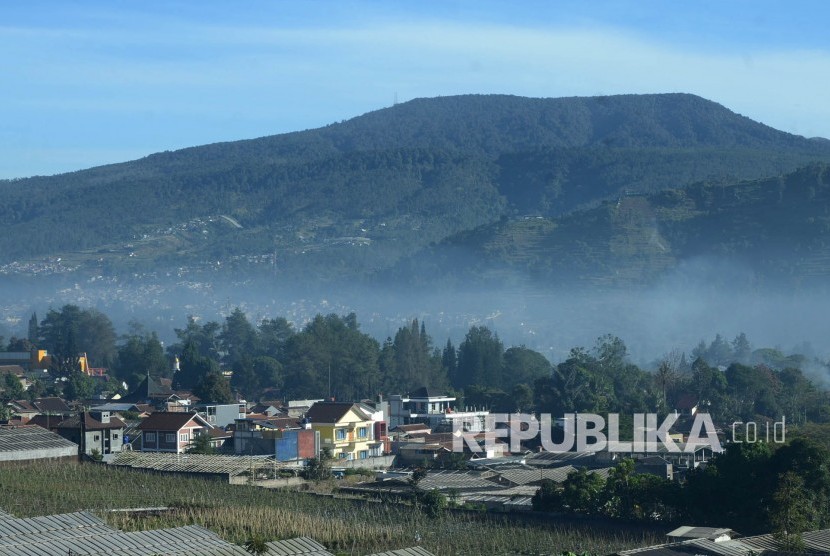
(352, 198)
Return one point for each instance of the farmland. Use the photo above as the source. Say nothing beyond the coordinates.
(238, 513)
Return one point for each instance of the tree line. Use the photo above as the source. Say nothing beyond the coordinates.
(331, 357)
(751, 488)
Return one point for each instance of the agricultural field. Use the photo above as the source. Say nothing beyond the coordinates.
(239, 513)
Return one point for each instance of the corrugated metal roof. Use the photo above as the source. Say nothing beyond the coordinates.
(32, 525)
(191, 540)
(457, 479)
(815, 542)
(31, 438)
(300, 546)
(196, 463)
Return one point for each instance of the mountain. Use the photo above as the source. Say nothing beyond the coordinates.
(352, 199)
(770, 232)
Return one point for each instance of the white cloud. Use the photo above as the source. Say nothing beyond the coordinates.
(269, 74)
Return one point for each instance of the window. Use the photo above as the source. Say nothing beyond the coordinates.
(361, 432)
(340, 434)
(364, 454)
(97, 437)
(150, 436)
(170, 437)
(184, 437)
(115, 436)
(343, 455)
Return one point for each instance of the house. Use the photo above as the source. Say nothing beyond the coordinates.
(435, 409)
(265, 408)
(221, 415)
(345, 429)
(41, 406)
(139, 410)
(687, 405)
(284, 438)
(160, 394)
(420, 404)
(380, 428)
(220, 438)
(18, 372)
(298, 408)
(99, 432)
(35, 360)
(171, 431)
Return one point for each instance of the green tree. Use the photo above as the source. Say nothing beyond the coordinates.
(582, 491)
(788, 515)
(433, 503)
(12, 387)
(319, 468)
(213, 387)
(79, 387)
(238, 338)
(548, 498)
(70, 331)
(201, 445)
(449, 359)
(331, 350)
(480, 359)
(741, 348)
(32, 331)
(273, 334)
(251, 375)
(140, 354)
(524, 366)
(203, 338)
(193, 366)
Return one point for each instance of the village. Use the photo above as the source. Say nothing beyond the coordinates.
(387, 449)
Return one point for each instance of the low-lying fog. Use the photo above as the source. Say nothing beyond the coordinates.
(695, 303)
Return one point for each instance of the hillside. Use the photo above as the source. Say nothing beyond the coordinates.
(352, 198)
(768, 232)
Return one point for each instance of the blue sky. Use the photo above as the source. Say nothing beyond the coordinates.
(89, 83)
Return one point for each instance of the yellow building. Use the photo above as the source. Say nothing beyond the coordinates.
(41, 360)
(345, 429)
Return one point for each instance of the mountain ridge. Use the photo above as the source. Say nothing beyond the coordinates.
(353, 198)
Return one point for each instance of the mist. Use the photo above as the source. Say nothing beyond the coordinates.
(701, 298)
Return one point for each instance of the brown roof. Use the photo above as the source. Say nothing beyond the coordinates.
(91, 423)
(24, 405)
(217, 433)
(14, 369)
(328, 412)
(686, 401)
(46, 421)
(52, 405)
(284, 422)
(170, 421)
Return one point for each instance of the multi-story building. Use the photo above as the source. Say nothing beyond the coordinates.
(346, 429)
(436, 410)
(165, 431)
(221, 415)
(284, 438)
